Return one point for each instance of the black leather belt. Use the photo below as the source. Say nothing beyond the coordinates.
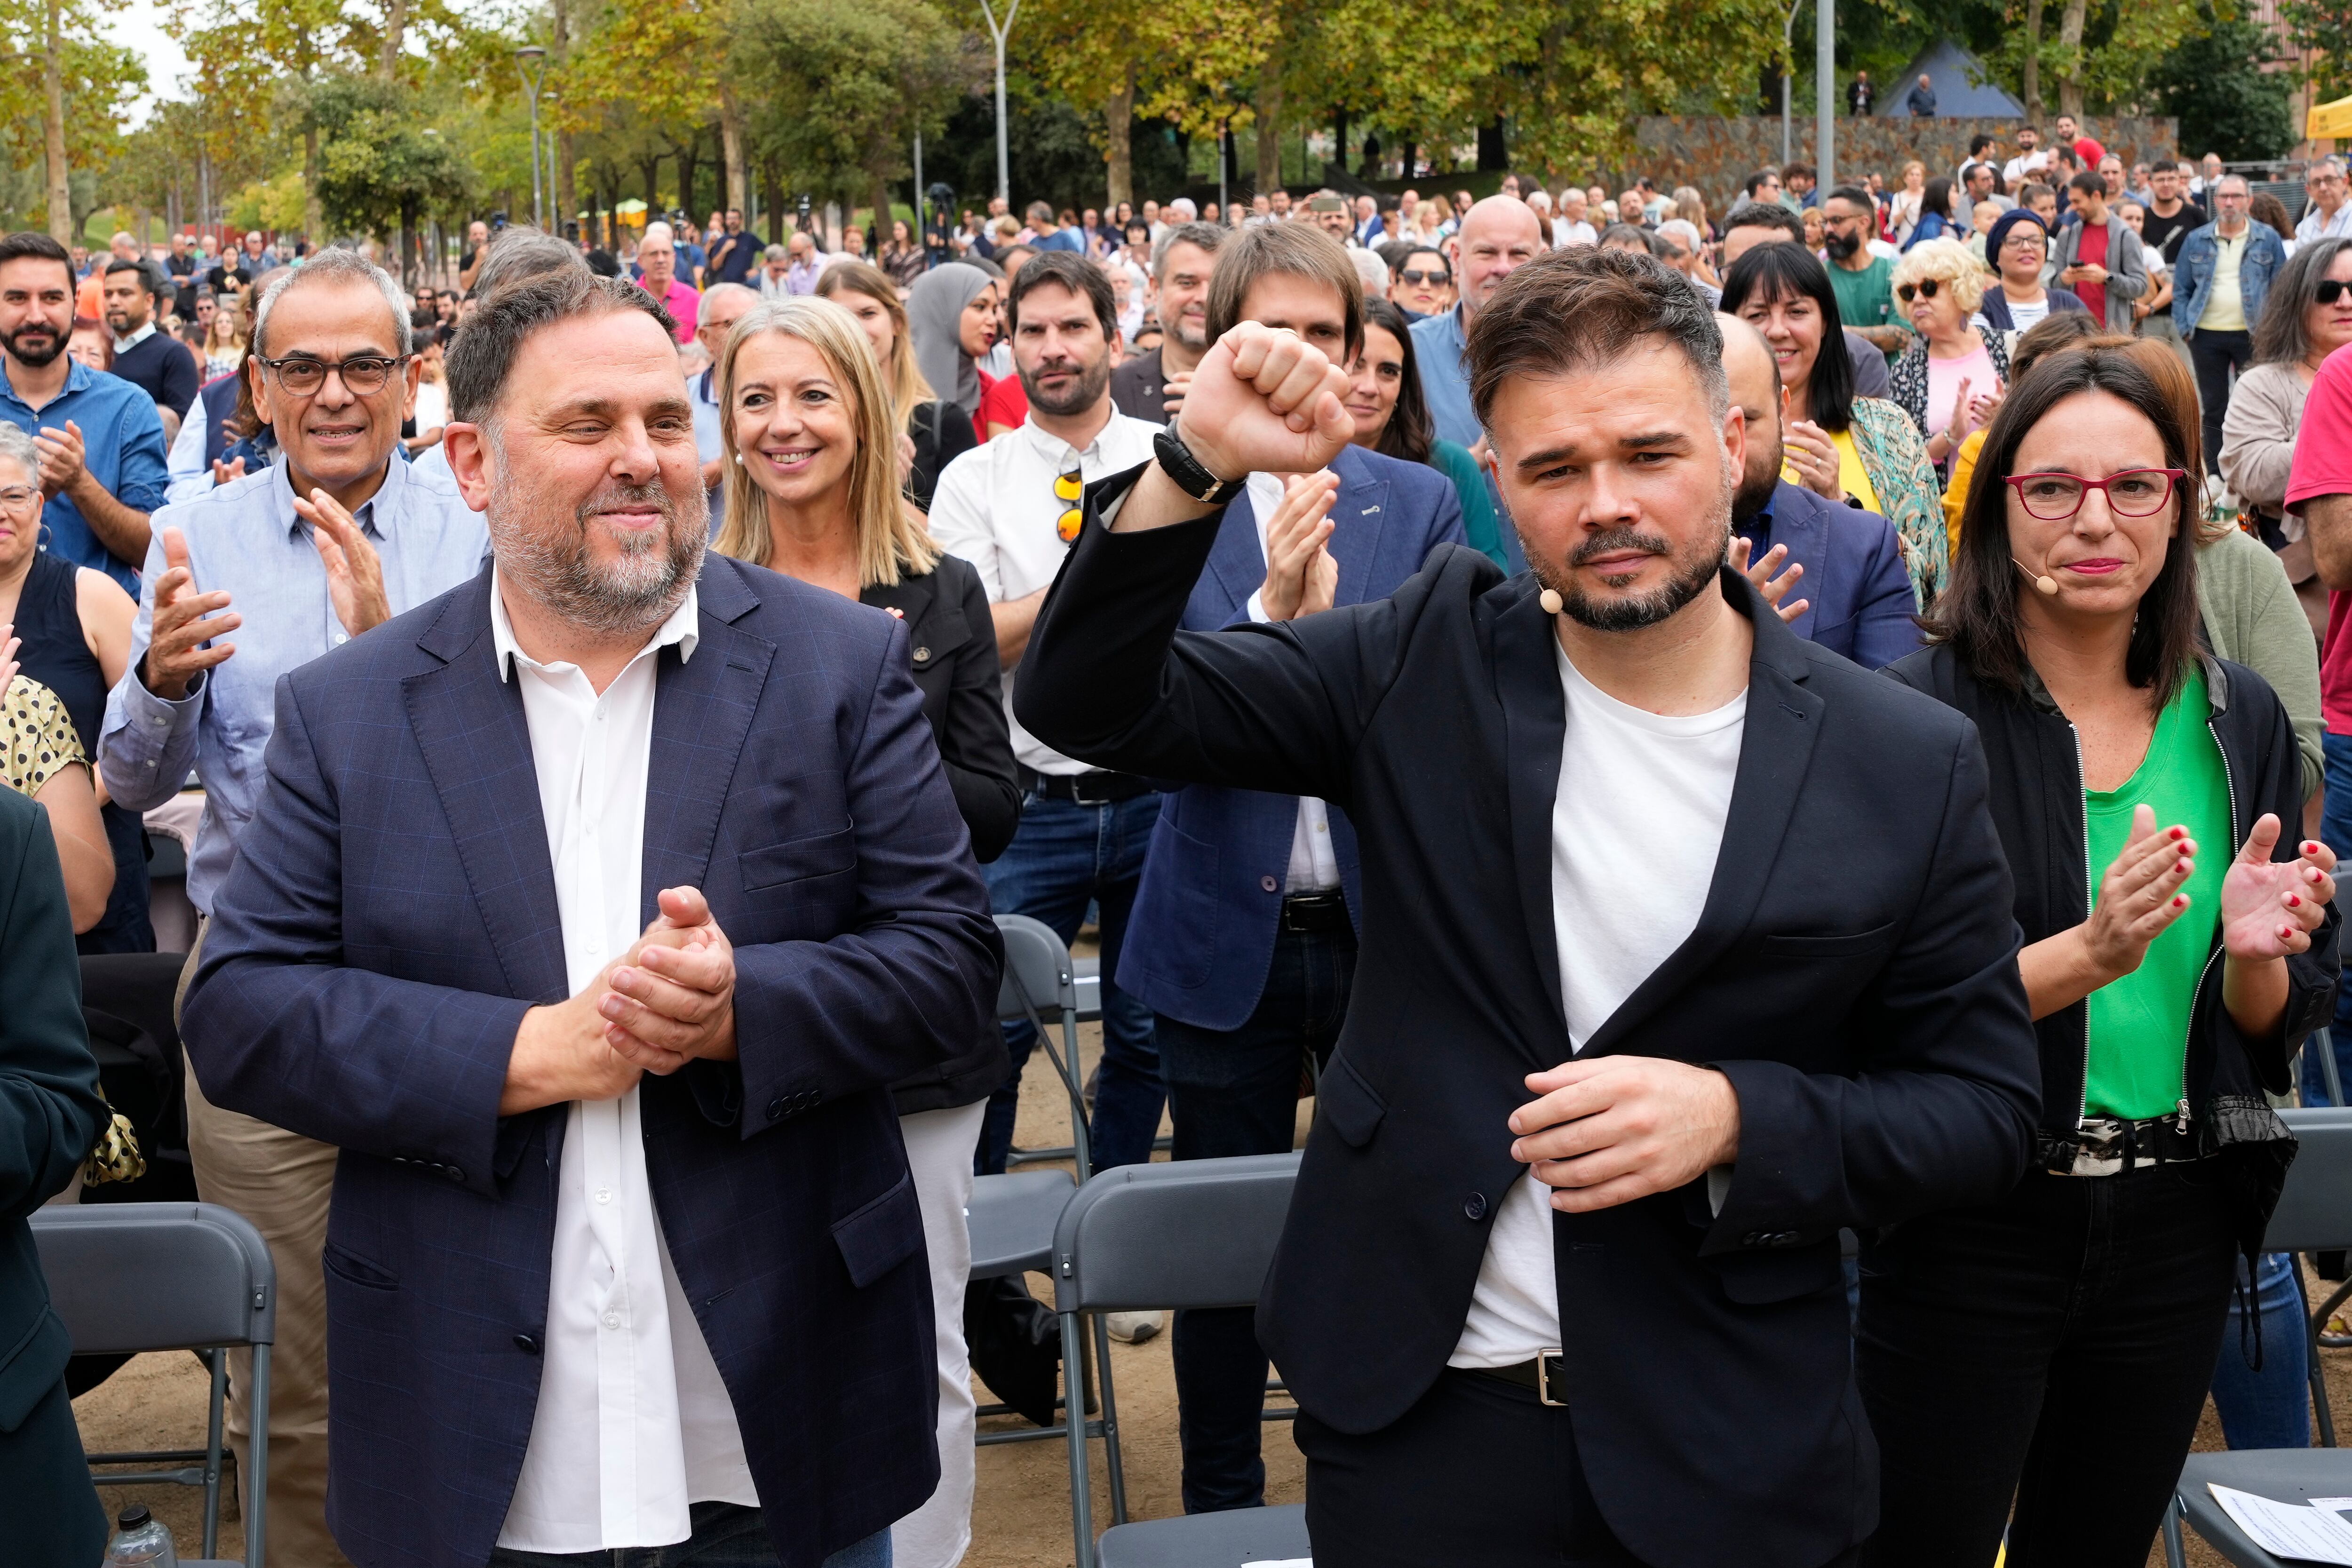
(1315, 912)
(1097, 788)
(1547, 1375)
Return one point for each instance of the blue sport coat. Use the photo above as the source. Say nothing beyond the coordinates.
(391, 917)
(1201, 939)
(1862, 603)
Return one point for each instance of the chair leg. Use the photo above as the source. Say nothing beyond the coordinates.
(1074, 1426)
(1082, 1150)
(1112, 1459)
(2175, 1554)
(2314, 1326)
(213, 1408)
(2328, 1073)
(257, 1483)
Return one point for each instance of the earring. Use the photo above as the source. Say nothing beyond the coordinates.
(739, 459)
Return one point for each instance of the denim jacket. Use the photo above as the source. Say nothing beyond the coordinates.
(2192, 279)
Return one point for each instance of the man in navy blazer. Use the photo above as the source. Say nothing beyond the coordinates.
(1849, 593)
(624, 1252)
(1242, 939)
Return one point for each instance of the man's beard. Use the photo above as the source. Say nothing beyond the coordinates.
(33, 357)
(1757, 485)
(1083, 395)
(554, 566)
(1692, 573)
(1841, 246)
(1191, 331)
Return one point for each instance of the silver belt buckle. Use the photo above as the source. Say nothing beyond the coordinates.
(1543, 1379)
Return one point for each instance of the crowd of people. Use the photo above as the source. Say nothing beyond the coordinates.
(623, 687)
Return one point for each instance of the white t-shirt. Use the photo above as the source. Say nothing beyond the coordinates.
(1629, 781)
(1565, 234)
(2022, 317)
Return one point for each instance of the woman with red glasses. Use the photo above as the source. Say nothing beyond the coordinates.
(2052, 1350)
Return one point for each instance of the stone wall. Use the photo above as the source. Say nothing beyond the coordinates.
(1718, 154)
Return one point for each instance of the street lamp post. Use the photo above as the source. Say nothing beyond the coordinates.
(1004, 174)
(531, 61)
(554, 160)
(1826, 95)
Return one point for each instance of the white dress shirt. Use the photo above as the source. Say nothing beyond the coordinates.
(633, 1422)
(2316, 224)
(995, 507)
(1618, 912)
(1314, 866)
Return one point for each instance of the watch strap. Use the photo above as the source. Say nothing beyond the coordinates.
(1176, 460)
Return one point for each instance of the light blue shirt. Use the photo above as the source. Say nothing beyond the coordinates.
(245, 538)
(1438, 345)
(702, 391)
(122, 448)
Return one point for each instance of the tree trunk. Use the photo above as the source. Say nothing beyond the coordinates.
(651, 169)
(1494, 151)
(772, 196)
(1269, 124)
(314, 215)
(731, 141)
(2070, 43)
(408, 247)
(1118, 125)
(395, 23)
(567, 184)
(1339, 139)
(53, 128)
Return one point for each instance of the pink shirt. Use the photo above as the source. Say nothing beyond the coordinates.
(684, 302)
(2323, 466)
(1944, 378)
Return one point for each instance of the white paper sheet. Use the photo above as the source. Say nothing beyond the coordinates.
(2332, 1504)
(2294, 1530)
(1281, 1562)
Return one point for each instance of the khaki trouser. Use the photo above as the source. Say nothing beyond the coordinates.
(282, 1182)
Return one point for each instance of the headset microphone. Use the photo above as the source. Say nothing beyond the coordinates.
(2042, 582)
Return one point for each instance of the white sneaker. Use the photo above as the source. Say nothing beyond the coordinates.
(1134, 1328)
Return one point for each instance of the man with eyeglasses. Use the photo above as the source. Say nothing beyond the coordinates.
(251, 580)
(2329, 215)
(2217, 290)
(1863, 281)
(99, 437)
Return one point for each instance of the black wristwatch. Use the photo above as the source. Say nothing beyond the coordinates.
(1176, 460)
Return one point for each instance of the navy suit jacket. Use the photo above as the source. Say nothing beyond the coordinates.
(1201, 939)
(1861, 601)
(391, 917)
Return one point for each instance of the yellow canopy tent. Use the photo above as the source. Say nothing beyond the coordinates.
(2327, 120)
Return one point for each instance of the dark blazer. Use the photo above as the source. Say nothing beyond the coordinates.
(941, 433)
(1853, 973)
(953, 655)
(50, 1114)
(391, 916)
(1138, 387)
(1860, 596)
(1201, 939)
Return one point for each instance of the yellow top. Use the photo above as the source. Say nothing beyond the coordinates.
(1956, 495)
(1851, 476)
(36, 737)
(2225, 306)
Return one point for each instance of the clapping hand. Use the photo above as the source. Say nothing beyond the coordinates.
(2141, 893)
(224, 472)
(61, 459)
(1774, 589)
(184, 621)
(1301, 578)
(1608, 1129)
(2270, 908)
(354, 574)
(1808, 450)
(1264, 399)
(675, 1000)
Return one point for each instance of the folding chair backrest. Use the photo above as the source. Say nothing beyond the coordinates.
(2315, 1212)
(1195, 1232)
(1037, 962)
(126, 1277)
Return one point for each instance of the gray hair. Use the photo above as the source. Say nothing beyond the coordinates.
(519, 251)
(719, 292)
(775, 253)
(1207, 236)
(2282, 336)
(483, 355)
(333, 266)
(15, 443)
(1372, 271)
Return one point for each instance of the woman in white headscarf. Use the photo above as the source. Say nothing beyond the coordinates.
(951, 317)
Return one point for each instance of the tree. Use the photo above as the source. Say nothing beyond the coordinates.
(2225, 101)
(382, 170)
(2323, 31)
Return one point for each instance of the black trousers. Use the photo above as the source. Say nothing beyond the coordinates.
(1236, 1092)
(2215, 356)
(2053, 1348)
(1477, 1472)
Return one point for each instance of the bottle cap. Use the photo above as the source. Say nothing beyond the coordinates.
(131, 1518)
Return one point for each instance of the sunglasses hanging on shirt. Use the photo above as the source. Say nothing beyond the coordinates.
(1068, 489)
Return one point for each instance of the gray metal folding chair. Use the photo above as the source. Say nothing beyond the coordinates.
(1039, 974)
(127, 1278)
(1199, 1233)
(2314, 1215)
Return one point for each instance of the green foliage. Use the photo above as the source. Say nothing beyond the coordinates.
(835, 91)
(380, 169)
(2226, 103)
(2318, 25)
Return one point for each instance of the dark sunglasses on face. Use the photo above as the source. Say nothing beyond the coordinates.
(2329, 290)
(1923, 290)
(1416, 276)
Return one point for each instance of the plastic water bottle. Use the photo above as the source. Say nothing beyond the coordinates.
(141, 1541)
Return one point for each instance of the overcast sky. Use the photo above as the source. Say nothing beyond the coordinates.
(140, 28)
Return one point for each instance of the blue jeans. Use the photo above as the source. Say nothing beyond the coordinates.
(726, 1535)
(1236, 1092)
(2335, 830)
(1064, 857)
(2269, 1407)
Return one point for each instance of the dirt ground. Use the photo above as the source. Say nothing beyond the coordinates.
(1022, 1516)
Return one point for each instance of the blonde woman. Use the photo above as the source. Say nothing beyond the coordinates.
(939, 432)
(1952, 376)
(812, 431)
(224, 341)
(1903, 208)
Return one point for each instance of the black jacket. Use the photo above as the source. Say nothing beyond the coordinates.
(1853, 973)
(951, 647)
(941, 433)
(1138, 388)
(2037, 806)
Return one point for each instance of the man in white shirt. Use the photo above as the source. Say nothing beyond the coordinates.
(1011, 508)
(1569, 225)
(2329, 215)
(723, 305)
(589, 912)
(2031, 159)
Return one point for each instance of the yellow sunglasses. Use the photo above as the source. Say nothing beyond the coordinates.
(1069, 488)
